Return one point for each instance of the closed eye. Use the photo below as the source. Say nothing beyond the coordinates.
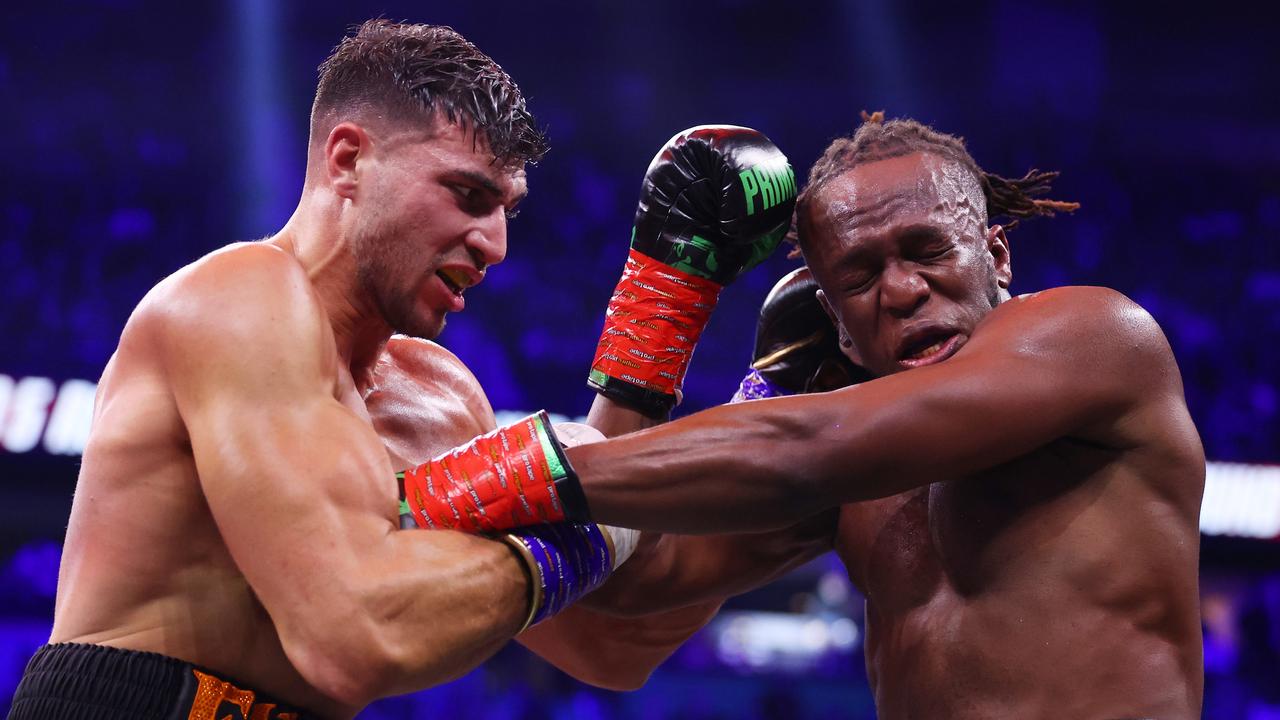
(859, 284)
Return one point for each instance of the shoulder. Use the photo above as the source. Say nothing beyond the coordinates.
(424, 399)
(247, 295)
(423, 357)
(240, 274)
(429, 364)
(1101, 347)
(236, 285)
(1082, 320)
(1082, 302)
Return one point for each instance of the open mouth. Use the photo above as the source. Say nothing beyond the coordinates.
(455, 280)
(930, 348)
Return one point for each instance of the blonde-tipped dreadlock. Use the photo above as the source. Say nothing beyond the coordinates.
(878, 139)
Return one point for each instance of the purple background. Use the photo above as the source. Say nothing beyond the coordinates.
(141, 135)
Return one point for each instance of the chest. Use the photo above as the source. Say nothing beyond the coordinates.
(962, 536)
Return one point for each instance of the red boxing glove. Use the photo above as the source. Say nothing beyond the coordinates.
(514, 476)
(653, 321)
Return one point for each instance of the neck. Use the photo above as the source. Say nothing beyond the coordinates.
(318, 235)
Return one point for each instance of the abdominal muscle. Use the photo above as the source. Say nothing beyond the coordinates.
(998, 657)
(984, 600)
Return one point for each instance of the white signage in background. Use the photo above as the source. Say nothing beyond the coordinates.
(34, 407)
(1240, 499)
(68, 428)
(25, 412)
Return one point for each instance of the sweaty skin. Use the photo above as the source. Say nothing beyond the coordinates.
(423, 402)
(1019, 489)
(235, 508)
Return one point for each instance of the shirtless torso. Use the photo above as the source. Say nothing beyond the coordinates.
(1061, 583)
(1019, 485)
(146, 565)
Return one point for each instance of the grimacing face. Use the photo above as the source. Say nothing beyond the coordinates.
(905, 261)
(435, 219)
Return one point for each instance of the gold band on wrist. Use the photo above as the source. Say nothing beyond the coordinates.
(534, 572)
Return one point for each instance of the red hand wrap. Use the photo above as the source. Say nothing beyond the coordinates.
(653, 321)
(497, 481)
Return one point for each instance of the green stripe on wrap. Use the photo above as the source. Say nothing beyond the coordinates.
(549, 450)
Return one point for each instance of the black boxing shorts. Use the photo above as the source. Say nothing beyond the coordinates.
(71, 681)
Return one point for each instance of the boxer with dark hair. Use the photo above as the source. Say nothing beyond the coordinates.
(231, 546)
(1018, 487)
(235, 545)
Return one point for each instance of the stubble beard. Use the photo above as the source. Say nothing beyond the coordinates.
(378, 258)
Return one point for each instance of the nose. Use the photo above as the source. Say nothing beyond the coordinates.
(902, 290)
(487, 242)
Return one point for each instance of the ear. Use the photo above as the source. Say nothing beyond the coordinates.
(998, 246)
(344, 146)
(846, 342)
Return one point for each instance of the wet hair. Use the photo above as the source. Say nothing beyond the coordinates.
(878, 139)
(414, 72)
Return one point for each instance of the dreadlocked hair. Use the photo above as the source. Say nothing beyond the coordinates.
(878, 139)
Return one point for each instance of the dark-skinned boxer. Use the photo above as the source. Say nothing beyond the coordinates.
(1019, 486)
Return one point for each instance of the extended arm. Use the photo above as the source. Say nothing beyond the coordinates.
(303, 492)
(425, 401)
(1060, 363)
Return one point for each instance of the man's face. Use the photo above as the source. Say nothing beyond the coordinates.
(434, 219)
(905, 261)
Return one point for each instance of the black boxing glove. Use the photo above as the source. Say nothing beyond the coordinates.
(716, 200)
(797, 349)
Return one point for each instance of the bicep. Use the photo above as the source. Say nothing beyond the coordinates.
(282, 472)
(284, 466)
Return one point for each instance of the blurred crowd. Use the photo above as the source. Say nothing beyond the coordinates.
(125, 162)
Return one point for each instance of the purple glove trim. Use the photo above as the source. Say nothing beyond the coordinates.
(755, 387)
(572, 560)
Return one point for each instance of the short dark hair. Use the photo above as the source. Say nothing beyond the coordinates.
(414, 71)
(877, 139)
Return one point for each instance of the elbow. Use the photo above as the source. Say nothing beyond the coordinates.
(346, 660)
(616, 676)
(333, 673)
(627, 681)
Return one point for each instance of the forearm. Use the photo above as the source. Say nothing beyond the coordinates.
(421, 609)
(728, 469)
(613, 418)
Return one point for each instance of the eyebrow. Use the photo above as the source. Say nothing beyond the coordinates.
(489, 186)
(856, 258)
(919, 231)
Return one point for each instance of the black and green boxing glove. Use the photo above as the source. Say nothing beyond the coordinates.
(715, 202)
